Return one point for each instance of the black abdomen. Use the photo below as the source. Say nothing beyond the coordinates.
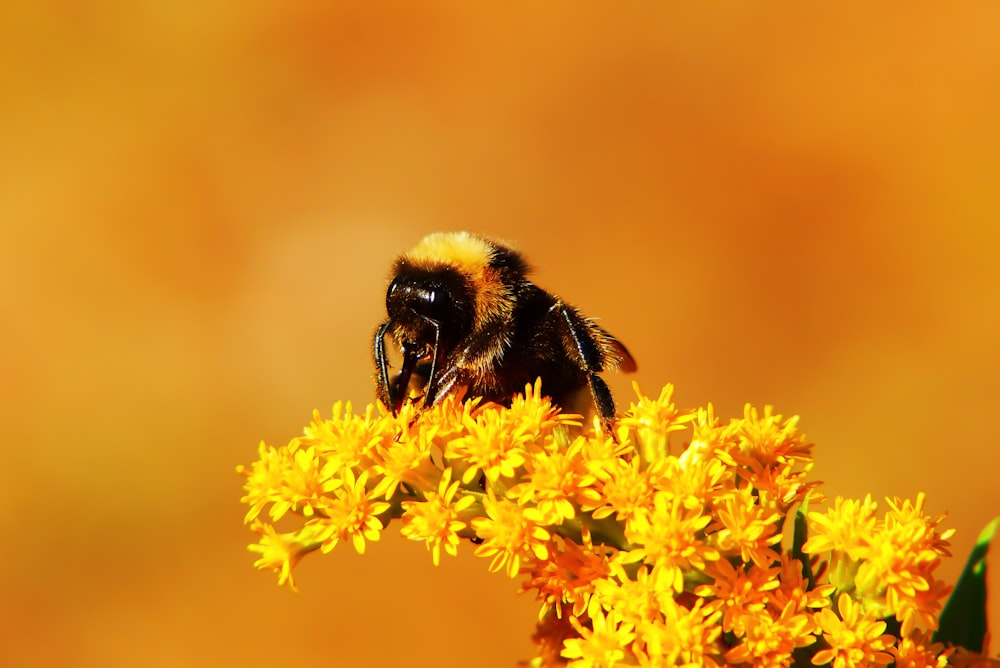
(536, 350)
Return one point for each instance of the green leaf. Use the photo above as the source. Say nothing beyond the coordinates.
(799, 536)
(963, 621)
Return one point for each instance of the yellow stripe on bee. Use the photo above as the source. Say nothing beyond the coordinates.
(464, 251)
(470, 255)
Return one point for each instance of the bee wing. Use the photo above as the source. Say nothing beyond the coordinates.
(614, 352)
(618, 355)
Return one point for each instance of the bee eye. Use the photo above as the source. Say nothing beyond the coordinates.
(429, 299)
(433, 301)
(392, 293)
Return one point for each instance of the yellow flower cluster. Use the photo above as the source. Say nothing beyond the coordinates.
(666, 543)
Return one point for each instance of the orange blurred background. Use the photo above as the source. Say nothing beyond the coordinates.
(778, 204)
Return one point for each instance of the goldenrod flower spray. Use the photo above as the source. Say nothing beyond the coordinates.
(678, 540)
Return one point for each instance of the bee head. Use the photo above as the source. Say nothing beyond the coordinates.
(420, 301)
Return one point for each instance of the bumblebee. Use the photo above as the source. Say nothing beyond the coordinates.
(466, 318)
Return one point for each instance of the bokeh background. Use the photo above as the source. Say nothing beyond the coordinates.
(777, 203)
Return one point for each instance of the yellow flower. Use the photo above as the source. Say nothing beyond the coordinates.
(693, 480)
(706, 429)
(508, 535)
(669, 538)
(636, 600)
(601, 451)
(794, 589)
(681, 636)
(917, 651)
(351, 514)
(770, 439)
(888, 564)
(602, 646)
(566, 578)
(265, 481)
(846, 527)
(436, 520)
(624, 490)
(289, 478)
(489, 445)
(636, 556)
(653, 420)
(854, 638)
(441, 424)
(769, 640)
(746, 529)
(406, 461)
(347, 439)
(771, 455)
(902, 560)
(845, 532)
(738, 593)
(554, 482)
(536, 413)
(280, 552)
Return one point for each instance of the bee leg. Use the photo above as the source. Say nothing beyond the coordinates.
(488, 345)
(603, 400)
(391, 393)
(445, 384)
(585, 351)
(383, 389)
(431, 389)
(401, 383)
(451, 377)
